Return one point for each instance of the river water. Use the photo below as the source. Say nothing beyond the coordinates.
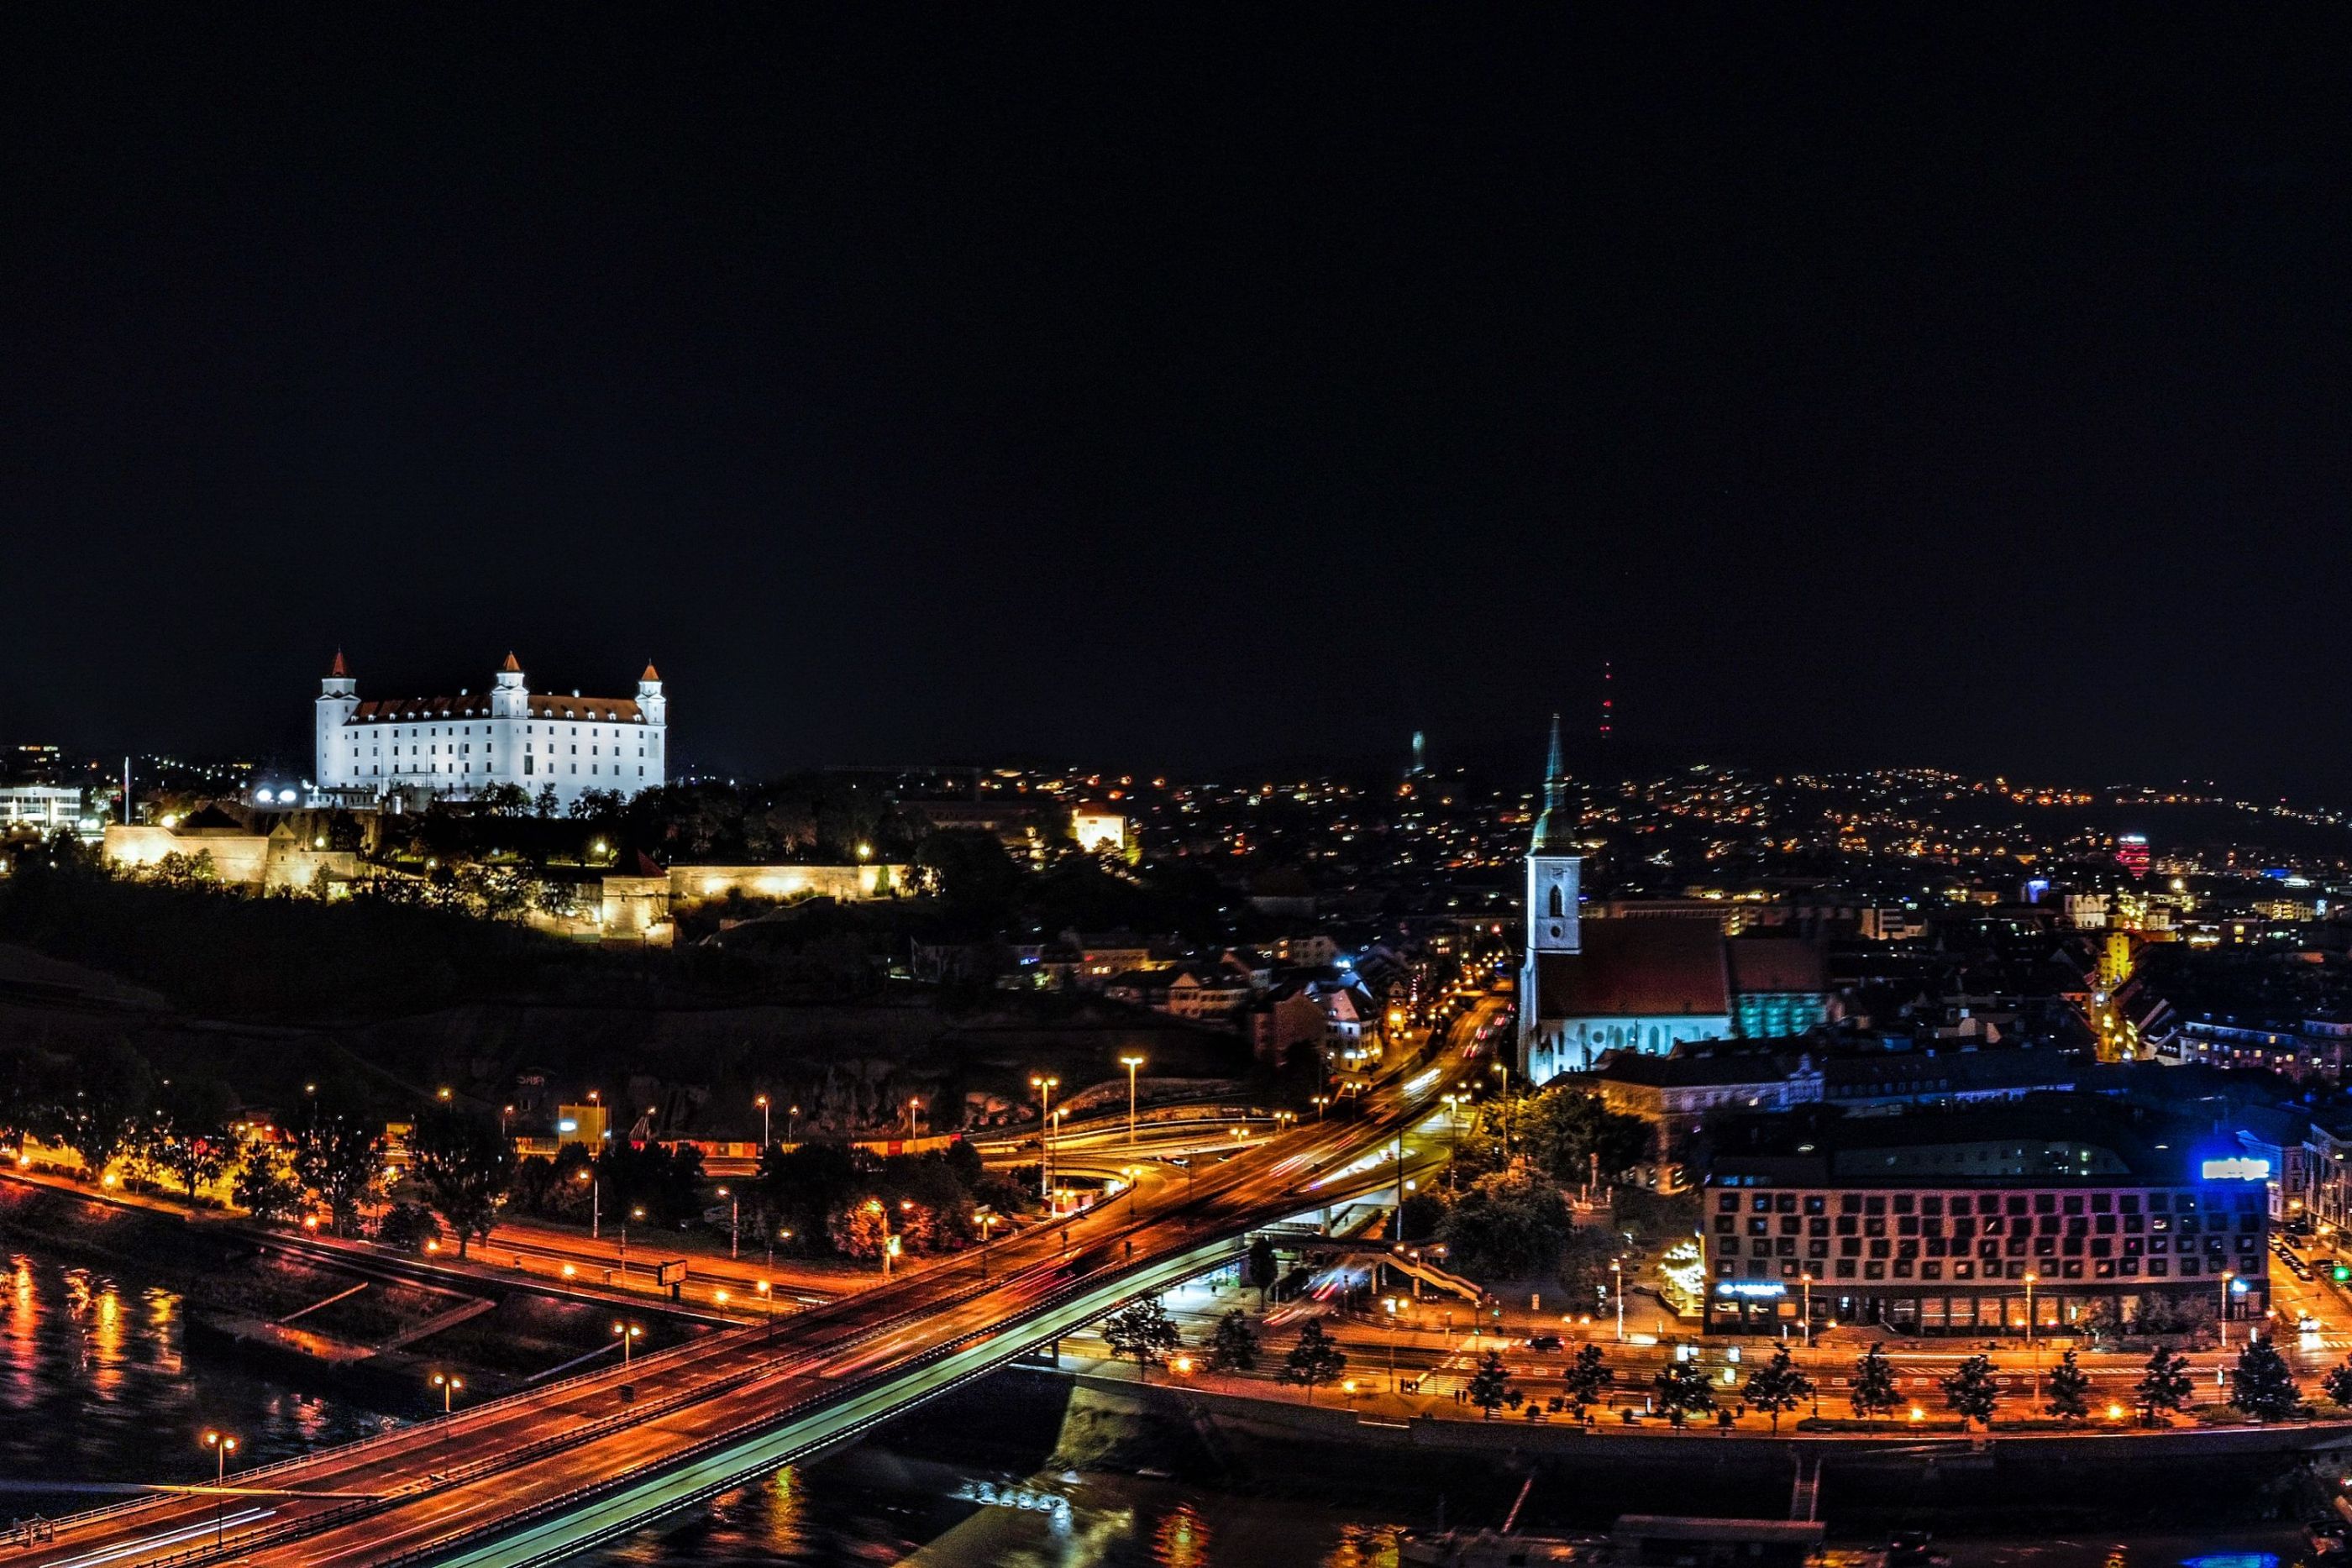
(96, 1387)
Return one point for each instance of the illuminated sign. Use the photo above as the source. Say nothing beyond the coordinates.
(2239, 1168)
(1751, 1288)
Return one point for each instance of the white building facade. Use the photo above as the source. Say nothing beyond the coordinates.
(458, 746)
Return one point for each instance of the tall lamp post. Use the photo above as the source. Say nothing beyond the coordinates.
(448, 1385)
(1045, 1087)
(223, 1445)
(2033, 1346)
(1131, 1063)
(913, 1106)
(1617, 1288)
(734, 1220)
(2226, 1275)
(628, 1335)
(767, 1127)
(595, 1202)
(768, 1300)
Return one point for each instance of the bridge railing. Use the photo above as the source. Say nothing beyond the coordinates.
(574, 1497)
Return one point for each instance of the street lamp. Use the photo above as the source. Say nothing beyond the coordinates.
(767, 1127)
(1045, 1087)
(768, 1300)
(1808, 1278)
(1617, 1288)
(1320, 1101)
(986, 1222)
(636, 1213)
(223, 1445)
(791, 1123)
(913, 1106)
(734, 1220)
(628, 1334)
(449, 1384)
(2031, 1279)
(595, 1202)
(2226, 1275)
(1131, 1063)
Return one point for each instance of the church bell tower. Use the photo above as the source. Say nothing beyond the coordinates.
(1555, 873)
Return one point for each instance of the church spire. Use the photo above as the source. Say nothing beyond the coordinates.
(1554, 820)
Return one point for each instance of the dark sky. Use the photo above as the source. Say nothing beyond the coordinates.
(1173, 388)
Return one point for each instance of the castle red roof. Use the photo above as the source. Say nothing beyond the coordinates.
(510, 667)
(651, 673)
(339, 668)
(406, 710)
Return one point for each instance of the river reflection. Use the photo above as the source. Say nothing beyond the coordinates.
(95, 1387)
(870, 1506)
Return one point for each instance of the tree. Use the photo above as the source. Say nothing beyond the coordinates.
(1587, 1379)
(2262, 1385)
(1970, 1393)
(408, 1226)
(190, 1136)
(1683, 1390)
(1777, 1387)
(1234, 1348)
(338, 1158)
(2069, 1390)
(97, 1120)
(503, 801)
(860, 1229)
(1142, 1329)
(264, 1185)
(2338, 1384)
(1262, 1267)
(1509, 1224)
(1873, 1386)
(464, 1164)
(2165, 1386)
(1490, 1386)
(2104, 1323)
(545, 802)
(1566, 1132)
(1314, 1360)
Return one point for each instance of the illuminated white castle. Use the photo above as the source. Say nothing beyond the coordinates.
(462, 744)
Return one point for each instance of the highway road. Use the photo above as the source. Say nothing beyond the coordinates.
(584, 1462)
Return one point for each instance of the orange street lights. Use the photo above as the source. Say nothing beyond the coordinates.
(595, 1203)
(986, 1220)
(734, 1220)
(1131, 1063)
(913, 1106)
(223, 1445)
(767, 1128)
(628, 1335)
(767, 1301)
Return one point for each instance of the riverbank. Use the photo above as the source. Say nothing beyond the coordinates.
(324, 1323)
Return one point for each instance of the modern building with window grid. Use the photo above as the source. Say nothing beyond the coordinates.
(1963, 1221)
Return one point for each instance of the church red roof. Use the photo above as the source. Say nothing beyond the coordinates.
(1636, 968)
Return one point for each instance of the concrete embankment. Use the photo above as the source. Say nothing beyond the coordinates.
(1115, 1424)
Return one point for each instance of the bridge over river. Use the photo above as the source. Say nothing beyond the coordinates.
(539, 1477)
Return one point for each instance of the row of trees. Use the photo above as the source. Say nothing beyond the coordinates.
(2261, 1385)
(1145, 1334)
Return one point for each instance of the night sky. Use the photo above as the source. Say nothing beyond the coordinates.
(1170, 388)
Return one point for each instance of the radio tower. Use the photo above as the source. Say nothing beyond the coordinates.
(1608, 711)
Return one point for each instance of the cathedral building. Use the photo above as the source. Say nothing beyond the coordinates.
(374, 750)
(1588, 987)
